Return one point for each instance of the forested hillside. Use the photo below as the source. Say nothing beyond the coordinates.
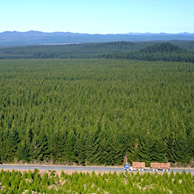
(71, 50)
(163, 48)
(156, 52)
(182, 51)
(96, 111)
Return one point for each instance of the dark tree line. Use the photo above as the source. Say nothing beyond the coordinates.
(148, 51)
(156, 52)
(104, 148)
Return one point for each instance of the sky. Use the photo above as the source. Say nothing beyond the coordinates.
(98, 16)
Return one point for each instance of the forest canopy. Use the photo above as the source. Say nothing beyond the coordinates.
(182, 51)
(96, 111)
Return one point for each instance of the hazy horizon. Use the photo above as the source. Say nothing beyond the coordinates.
(97, 33)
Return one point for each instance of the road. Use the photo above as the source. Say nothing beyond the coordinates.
(79, 168)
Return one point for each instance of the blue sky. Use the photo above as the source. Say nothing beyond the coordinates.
(97, 16)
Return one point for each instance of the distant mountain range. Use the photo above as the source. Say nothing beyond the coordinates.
(15, 38)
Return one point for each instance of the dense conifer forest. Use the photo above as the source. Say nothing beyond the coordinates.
(32, 182)
(87, 50)
(181, 51)
(157, 52)
(96, 111)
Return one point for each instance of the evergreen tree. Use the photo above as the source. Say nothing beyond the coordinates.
(80, 149)
(23, 152)
(70, 146)
(54, 146)
(41, 149)
(117, 148)
(132, 150)
(170, 148)
(92, 148)
(159, 150)
(145, 149)
(61, 146)
(12, 144)
(104, 150)
(182, 149)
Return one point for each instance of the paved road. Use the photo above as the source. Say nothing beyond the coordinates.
(73, 168)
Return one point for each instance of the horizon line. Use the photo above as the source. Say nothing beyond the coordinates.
(135, 33)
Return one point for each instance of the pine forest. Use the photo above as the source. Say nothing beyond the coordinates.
(96, 111)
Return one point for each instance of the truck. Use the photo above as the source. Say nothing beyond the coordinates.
(127, 166)
(138, 166)
(165, 166)
(160, 166)
(155, 166)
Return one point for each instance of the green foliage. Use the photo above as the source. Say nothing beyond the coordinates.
(163, 48)
(159, 150)
(70, 51)
(149, 51)
(96, 111)
(45, 179)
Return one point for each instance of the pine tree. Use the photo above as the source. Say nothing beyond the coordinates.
(61, 146)
(29, 137)
(159, 151)
(132, 150)
(23, 152)
(44, 148)
(80, 149)
(41, 149)
(69, 147)
(54, 146)
(22, 186)
(182, 149)
(145, 150)
(92, 147)
(104, 149)
(170, 148)
(117, 148)
(12, 144)
(45, 179)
